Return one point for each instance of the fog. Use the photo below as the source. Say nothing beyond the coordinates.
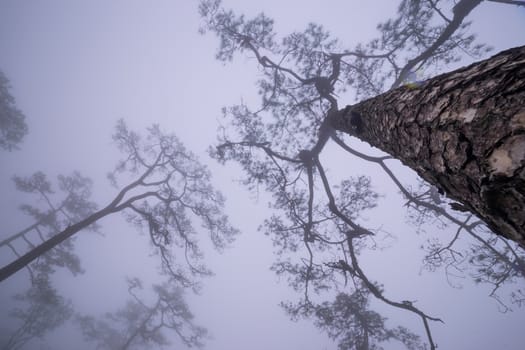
(77, 68)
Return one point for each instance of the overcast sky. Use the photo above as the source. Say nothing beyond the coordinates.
(76, 67)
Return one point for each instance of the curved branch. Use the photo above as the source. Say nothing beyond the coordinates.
(356, 269)
(461, 10)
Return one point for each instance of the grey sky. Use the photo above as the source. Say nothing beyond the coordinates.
(77, 67)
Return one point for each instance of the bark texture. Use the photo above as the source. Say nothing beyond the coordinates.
(462, 131)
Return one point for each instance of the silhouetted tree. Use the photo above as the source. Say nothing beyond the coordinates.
(73, 207)
(41, 308)
(140, 325)
(349, 319)
(13, 127)
(441, 123)
(167, 193)
(170, 190)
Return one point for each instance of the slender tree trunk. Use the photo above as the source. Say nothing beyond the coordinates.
(462, 131)
(51, 243)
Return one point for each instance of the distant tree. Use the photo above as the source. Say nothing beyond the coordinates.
(167, 192)
(41, 308)
(13, 127)
(445, 124)
(350, 319)
(73, 207)
(140, 326)
(171, 189)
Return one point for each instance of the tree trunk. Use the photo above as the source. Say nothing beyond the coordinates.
(462, 131)
(26, 259)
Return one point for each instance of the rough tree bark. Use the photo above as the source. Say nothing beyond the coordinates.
(462, 131)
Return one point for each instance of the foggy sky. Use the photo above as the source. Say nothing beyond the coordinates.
(77, 67)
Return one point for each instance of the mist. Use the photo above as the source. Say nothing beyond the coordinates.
(120, 89)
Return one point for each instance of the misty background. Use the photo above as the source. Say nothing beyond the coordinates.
(77, 67)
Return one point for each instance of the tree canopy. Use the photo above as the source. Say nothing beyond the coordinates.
(166, 194)
(280, 146)
(13, 127)
(331, 222)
